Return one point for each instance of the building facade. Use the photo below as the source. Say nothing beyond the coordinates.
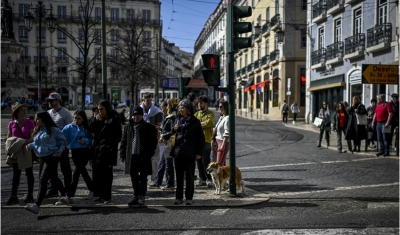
(271, 71)
(56, 65)
(346, 34)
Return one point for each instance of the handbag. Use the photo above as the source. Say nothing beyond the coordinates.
(168, 147)
(361, 119)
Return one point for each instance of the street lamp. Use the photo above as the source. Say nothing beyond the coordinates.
(28, 25)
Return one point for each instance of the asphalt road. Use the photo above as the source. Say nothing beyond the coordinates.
(312, 190)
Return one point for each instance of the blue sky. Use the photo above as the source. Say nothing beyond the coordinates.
(183, 20)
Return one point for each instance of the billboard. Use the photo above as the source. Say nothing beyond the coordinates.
(170, 83)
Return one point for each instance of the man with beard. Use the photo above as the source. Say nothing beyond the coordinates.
(207, 120)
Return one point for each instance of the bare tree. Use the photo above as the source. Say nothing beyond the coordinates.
(83, 39)
(132, 47)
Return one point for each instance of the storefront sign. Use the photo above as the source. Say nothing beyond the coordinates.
(380, 74)
(169, 83)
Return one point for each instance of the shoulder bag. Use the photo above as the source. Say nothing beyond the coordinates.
(361, 119)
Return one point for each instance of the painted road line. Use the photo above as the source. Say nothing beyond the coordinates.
(362, 231)
(219, 211)
(190, 232)
(383, 205)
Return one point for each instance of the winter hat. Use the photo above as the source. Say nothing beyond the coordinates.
(137, 111)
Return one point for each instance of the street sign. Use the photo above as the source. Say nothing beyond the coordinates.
(288, 93)
(380, 74)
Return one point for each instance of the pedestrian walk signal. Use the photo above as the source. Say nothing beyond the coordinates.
(211, 74)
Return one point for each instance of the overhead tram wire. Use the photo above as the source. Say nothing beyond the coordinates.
(172, 15)
(196, 10)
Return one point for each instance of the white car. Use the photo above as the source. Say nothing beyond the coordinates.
(121, 104)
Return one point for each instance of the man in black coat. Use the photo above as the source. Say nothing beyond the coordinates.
(138, 145)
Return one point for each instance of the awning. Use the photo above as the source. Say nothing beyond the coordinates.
(326, 83)
(262, 84)
(246, 89)
(253, 87)
(249, 82)
(197, 83)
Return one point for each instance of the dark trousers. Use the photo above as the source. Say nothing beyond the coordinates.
(203, 162)
(80, 157)
(102, 180)
(339, 139)
(294, 116)
(139, 181)
(66, 171)
(382, 137)
(17, 177)
(166, 165)
(284, 117)
(49, 171)
(321, 134)
(184, 165)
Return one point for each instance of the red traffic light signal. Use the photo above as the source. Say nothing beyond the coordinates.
(210, 61)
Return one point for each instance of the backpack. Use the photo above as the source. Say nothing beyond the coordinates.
(285, 108)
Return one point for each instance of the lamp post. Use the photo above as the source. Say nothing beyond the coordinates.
(51, 25)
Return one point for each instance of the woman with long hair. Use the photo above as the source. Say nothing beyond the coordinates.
(79, 140)
(21, 127)
(189, 146)
(370, 117)
(340, 123)
(48, 146)
(325, 115)
(106, 127)
(222, 133)
(166, 164)
(355, 131)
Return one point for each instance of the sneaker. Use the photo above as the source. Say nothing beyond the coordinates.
(107, 202)
(62, 201)
(134, 201)
(89, 196)
(29, 199)
(32, 207)
(188, 202)
(209, 184)
(154, 186)
(141, 201)
(168, 188)
(99, 199)
(201, 183)
(13, 200)
(294, 123)
(178, 202)
(51, 193)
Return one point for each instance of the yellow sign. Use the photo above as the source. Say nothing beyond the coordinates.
(380, 74)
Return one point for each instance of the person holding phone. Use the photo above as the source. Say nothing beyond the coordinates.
(48, 144)
(79, 140)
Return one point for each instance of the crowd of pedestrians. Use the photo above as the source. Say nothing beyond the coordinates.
(152, 141)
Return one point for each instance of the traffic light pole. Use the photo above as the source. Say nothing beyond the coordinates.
(231, 93)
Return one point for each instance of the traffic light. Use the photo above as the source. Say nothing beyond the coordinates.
(211, 74)
(234, 14)
(182, 87)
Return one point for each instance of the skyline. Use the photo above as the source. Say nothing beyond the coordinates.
(182, 23)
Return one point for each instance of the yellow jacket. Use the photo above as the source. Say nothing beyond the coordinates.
(208, 119)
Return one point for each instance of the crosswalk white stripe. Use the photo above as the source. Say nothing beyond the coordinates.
(364, 231)
(219, 211)
(313, 163)
(190, 232)
(380, 205)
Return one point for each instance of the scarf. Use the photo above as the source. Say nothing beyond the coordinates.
(153, 110)
(136, 138)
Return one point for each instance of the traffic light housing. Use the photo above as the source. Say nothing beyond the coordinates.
(211, 74)
(182, 87)
(234, 14)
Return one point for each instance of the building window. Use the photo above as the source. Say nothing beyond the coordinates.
(97, 53)
(82, 13)
(245, 59)
(62, 38)
(114, 35)
(81, 35)
(114, 54)
(25, 52)
(97, 13)
(357, 21)
(252, 56)
(42, 35)
(277, 7)
(275, 92)
(130, 15)
(267, 15)
(23, 34)
(259, 20)
(321, 38)
(114, 15)
(62, 54)
(303, 5)
(253, 4)
(338, 30)
(303, 38)
(276, 42)
(382, 11)
(97, 35)
(114, 74)
(267, 47)
(62, 12)
(146, 37)
(146, 16)
(23, 9)
(259, 52)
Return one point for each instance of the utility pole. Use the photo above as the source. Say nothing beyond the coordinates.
(156, 98)
(103, 49)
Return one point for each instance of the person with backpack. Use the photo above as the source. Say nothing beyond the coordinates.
(285, 109)
(295, 109)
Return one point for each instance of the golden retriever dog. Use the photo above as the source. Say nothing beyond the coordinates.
(220, 175)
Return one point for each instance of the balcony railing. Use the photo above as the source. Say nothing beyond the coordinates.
(62, 59)
(264, 60)
(318, 56)
(77, 80)
(250, 68)
(319, 8)
(334, 50)
(257, 64)
(238, 73)
(354, 43)
(332, 3)
(25, 59)
(275, 20)
(378, 34)
(265, 27)
(244, 70)
(274, 55)
(42, 58)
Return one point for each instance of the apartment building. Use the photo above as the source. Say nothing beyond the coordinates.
(212, 40)
(345, 35)
(273, 69)
(56, 65)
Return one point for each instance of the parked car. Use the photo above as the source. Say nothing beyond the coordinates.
(89, 105)
(121, 104)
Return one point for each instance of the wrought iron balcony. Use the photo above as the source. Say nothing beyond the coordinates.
(256, 64)
(238, 73)
(42, 39)
(275, 20)
(264, 60)
(25, 59)
(334, 50)
(319, 8)
(250, 68)
(354, 43)
(378, 34)
(62, 60)
(318, 56)
(266, 27)
(243, 70)
(274, 55)
(333, 6)
(42, 58)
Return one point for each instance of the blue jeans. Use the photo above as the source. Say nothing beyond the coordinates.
(165, 164)
(382, 137)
